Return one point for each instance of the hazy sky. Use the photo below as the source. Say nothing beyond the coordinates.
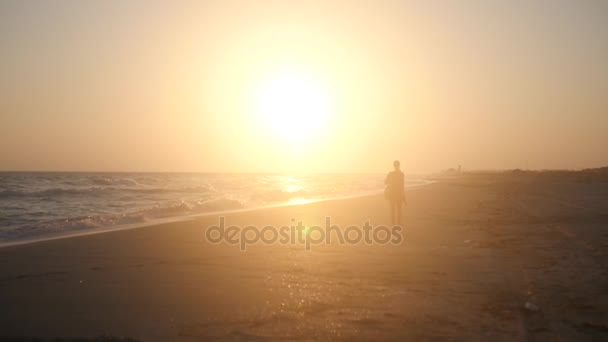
(174, 85)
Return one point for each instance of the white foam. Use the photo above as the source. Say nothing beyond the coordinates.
(150, 199)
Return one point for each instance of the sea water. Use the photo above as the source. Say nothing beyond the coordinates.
(39, 204)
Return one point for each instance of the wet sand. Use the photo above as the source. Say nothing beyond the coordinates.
(475, 251)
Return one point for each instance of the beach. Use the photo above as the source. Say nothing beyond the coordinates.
(484, 257)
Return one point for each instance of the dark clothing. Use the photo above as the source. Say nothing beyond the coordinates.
(394, 187)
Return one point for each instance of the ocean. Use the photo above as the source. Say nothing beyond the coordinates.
(35, 205)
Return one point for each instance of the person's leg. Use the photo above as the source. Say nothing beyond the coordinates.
(398, 212)
(392, 210)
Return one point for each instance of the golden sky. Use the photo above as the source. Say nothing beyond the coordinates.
(311, 86)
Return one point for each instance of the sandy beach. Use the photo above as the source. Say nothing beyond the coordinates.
(482, 258)
(236, 170)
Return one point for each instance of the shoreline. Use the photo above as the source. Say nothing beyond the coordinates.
(172, 219)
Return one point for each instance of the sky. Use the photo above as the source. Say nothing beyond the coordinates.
(310, 86)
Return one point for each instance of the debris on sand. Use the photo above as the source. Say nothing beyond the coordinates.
(531, 307)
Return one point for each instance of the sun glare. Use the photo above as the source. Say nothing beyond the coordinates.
(292, 102)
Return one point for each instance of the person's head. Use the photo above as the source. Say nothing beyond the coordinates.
(396, 165)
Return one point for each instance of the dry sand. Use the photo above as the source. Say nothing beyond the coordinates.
(475, 250)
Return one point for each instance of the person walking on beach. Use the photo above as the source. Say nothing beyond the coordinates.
(395, 192)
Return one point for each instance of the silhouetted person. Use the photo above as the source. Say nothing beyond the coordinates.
(395, 192)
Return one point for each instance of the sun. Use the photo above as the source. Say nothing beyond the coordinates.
(292, 102)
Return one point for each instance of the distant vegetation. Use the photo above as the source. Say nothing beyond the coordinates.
(584, 176)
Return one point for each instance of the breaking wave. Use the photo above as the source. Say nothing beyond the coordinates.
(36, 205)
